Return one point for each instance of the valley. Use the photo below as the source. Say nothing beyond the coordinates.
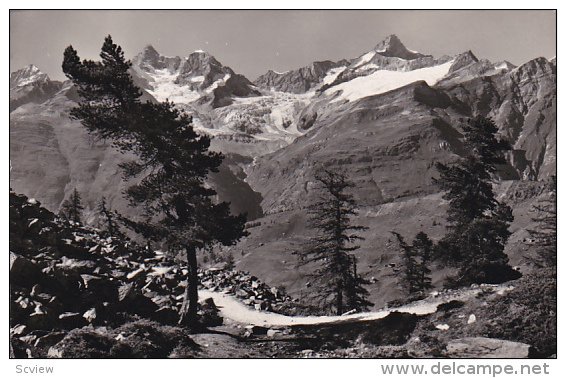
(386, 117)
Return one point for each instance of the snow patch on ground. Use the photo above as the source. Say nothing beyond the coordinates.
(384, 81)
(365, 58)
(332, 74)
(369, 66)
(217, 83)
(502, 66)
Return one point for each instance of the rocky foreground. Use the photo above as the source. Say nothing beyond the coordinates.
(76, 292)
(66, 276)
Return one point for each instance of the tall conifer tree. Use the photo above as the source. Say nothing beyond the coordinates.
(172, 160)
(338, 285)
(72, 208)
(416, 260)
(545, 234)
(479, 224)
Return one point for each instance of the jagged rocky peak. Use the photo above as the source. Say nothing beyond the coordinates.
(297, 81)
(149, 59)
(149, 55)
(201, 61)
(463, 60)
(199, 76)
(26, 76)
(393, 47)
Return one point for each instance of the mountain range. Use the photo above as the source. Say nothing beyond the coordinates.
(385, 117)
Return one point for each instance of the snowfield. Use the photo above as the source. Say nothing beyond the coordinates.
(164, 88)
(383, 81)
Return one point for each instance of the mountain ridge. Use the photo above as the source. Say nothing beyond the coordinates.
(274, 134)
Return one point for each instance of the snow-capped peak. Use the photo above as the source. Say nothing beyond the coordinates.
(393, 47)
(184, 80)
(201, 54)
(26, 76)
(504, 65)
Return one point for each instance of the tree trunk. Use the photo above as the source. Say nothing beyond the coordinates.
(339, 300)
(188, 313)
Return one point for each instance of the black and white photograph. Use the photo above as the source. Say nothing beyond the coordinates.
(287, 184)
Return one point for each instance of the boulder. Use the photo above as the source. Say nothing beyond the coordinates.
(23, 271)
(126, 293)
(21, 309)
(18, 348)
(40, 320)
(131, 300)
(67, 282)
(135, 274)
(90, 315)
(70, 320)
(483, 347)
(35, 290)
(20, 329)
(161, 300)
(49, 340)
(79, 266)
(166, 315)
(209, 313)
(273, 332)
(103, 288)
(257, 330)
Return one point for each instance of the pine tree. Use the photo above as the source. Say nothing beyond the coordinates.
(72, 208)
(416, 260)
(338, 284)
(478, 223)
(172, 161)
(108, 221)
(229, 261)
(545, 235)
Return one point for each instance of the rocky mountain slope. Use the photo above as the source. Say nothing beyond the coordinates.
(385, 117)
(30, 85)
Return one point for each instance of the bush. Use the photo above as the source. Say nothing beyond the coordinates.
(147, 339)
(139, 339)
(86, 343)
(527, 314)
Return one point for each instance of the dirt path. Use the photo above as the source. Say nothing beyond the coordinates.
(233, 309)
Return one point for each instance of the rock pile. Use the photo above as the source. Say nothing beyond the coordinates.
(246, 287)
(65, 276)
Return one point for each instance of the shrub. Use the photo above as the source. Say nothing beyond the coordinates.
(527, 314)
(86, 343)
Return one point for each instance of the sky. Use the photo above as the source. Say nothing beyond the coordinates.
(252, 42)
